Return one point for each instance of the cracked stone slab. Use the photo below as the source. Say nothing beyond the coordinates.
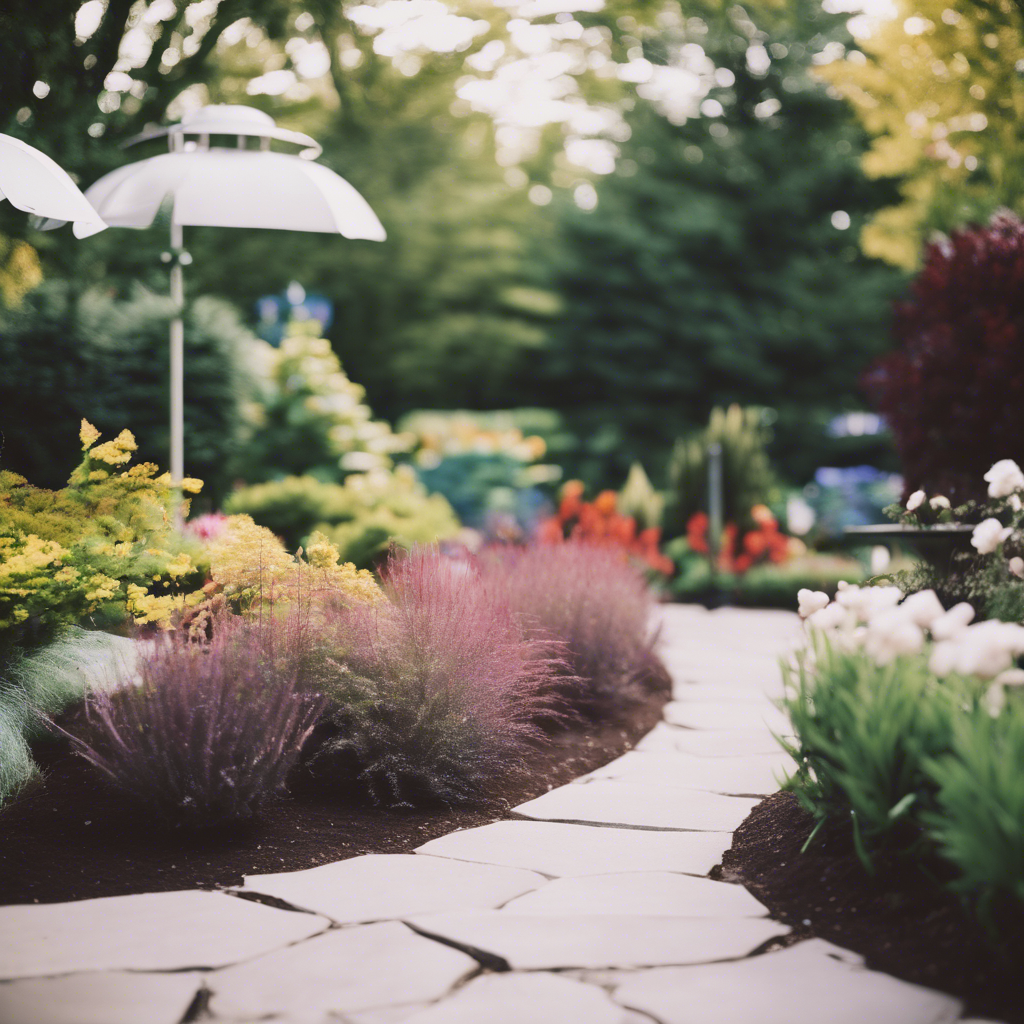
(805, 984)
(650, 893)
(753, 743)
(162, 931)
(616, 803)
(107, 997)
(344, 970)
(385, 1015)
(716, 716)
(379, 887)
(517, 998)
(538, 942)
(727, 775)
(557, 849)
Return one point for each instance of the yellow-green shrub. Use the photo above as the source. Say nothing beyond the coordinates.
(103, 546)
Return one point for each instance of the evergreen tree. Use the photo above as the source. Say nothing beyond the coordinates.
(721, 263)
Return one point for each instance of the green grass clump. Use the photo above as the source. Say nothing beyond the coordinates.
(978, 816)
(863, 735)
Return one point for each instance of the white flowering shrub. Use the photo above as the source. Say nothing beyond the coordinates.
(908, 722)
(988, 572)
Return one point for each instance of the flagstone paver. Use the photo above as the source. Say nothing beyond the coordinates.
(521, 998)
(347, 969)
(616, 803)
(800, 985)
(652, 893)
(726, 775)
(716, 715)
(377, 887)
(102, 997)
(542, 941)
(709, 744)
(609, 899)
(556, 849)
(162, 931)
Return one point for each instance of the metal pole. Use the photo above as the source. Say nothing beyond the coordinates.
(177, 360)
(714, 500)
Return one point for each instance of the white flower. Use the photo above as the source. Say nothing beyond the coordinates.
(939, 501)
(1014, 502)
(958, 618)
(923, 608)
(811, 601)
(916, 500)
(984, 649)
(1011, 677)
(1004, 478)
(1017, 566)
(867, 602)
(891, 635)
(943, 659)
(994, 700)
(833, 616)
(988, 535)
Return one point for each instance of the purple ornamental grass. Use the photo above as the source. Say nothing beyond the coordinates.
(597, 603)
(436, 694)
(210, 733)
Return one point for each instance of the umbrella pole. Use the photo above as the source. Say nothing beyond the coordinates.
(177, 360)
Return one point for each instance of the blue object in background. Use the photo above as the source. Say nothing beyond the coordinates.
(851, 496)
(276, 312)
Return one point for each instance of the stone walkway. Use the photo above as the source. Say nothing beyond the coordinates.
(593, 907)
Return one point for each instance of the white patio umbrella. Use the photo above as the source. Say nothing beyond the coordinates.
(230, 187)
(32, 182)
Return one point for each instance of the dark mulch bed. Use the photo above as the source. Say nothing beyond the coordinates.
(899, 920)
(69, 837)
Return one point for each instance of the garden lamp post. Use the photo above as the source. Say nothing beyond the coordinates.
(32, 182)
(225, 183)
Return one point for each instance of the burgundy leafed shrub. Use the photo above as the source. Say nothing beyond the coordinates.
(436, 694)
(953, 391)
(595, 600)
(212, 730)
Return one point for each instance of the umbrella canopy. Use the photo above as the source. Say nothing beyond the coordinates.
(32, 182)
(235, 188)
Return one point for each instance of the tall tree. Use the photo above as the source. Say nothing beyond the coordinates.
(940, 89)
(720, 263)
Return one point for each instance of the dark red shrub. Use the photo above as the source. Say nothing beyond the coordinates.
(436, 694)
(953, 391)
(212, 730)
(595, 600)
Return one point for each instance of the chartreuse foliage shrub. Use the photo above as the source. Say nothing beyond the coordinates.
(362, 517)
(309, 417)
(593, 599)
(211, 731)
(435, 695)
(103, 547)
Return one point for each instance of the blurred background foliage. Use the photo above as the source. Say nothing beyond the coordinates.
(620, 215)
